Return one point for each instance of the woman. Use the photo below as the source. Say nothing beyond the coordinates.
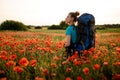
(71, 31)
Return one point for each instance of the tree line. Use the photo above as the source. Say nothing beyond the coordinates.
(19, 26)
(105, 26)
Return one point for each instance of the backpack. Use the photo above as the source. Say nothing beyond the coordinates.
(85, 32)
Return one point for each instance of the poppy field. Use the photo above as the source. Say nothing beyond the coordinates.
(40, 55)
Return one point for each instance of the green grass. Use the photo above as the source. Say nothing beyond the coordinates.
(109, 30)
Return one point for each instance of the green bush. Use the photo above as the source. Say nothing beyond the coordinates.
(38, 27)
(61, 26)
(55, 27)
(29, 26)
(13, 25)
(101, 27)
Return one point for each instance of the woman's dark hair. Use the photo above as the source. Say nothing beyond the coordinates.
(74, 15)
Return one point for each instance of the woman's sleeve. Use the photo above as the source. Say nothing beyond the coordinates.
(68, 31)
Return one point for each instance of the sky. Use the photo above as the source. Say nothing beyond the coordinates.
(49, 12)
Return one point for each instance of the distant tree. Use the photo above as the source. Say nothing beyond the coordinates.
(55, 27)
(38, 27)
(63, 24)
(29, 26)
(13, 25)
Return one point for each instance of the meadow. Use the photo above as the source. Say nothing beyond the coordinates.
(40, 55)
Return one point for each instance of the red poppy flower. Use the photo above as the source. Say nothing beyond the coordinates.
(55, 58)
(96, 67)
(3, 53)
(118, 49)
(117, 63)
(105, 63)
(23, 61)
(33, 62)
(22, 51)
(45, 71)
(18, 69)
(12, 57)
(86, 71)
(53, 74)
(38, 78)
(4, 78)
(116, 77)
(64, 62)
(75, 62)
(3, 57)
(53, 65)
(79, 78)
(113, 44)
(94, 57)
(67, 78)
(10, 63)
(68, 70)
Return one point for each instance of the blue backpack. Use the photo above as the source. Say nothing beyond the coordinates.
(85, 32)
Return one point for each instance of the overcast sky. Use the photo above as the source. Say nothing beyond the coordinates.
(48, 12)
